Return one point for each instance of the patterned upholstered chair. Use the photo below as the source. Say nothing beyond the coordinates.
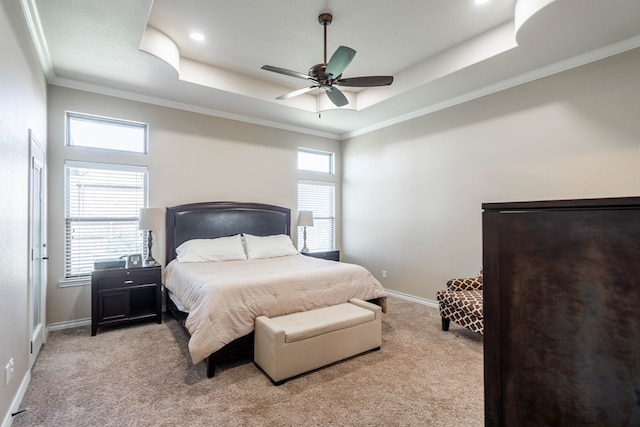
(462, 303)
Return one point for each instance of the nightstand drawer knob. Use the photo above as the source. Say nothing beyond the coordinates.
(128, 282)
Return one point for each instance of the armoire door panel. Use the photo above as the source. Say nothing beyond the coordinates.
(566, 288)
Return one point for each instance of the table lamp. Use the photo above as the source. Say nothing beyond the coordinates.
(150, 219)
(305, 219)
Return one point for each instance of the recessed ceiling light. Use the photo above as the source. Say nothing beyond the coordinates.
(199, 37)
(482, 1)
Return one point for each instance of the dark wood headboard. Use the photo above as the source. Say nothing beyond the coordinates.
(209, 220)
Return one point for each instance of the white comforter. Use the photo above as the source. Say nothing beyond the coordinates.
(224, 298)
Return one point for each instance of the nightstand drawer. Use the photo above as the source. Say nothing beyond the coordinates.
(112, 279)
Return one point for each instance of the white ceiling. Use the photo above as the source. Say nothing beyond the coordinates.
(440, 52)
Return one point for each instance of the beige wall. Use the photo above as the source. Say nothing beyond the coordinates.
(412, 193)
(22, 107)
(192, 158)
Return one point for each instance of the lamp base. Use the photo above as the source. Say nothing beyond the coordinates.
(304, 249)
(150, 262)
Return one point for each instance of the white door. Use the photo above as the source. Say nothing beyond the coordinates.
(37, 228)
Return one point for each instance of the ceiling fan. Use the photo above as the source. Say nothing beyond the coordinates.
(327, 75)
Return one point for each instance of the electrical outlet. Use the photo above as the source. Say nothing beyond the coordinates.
(8, 372)
(384, 274)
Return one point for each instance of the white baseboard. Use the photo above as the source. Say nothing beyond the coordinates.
(74, 323)
(17, 400)
(69, 324)
(412, 298)
(87, 322)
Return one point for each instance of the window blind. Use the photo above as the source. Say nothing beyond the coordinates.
(319, 197)
(102, 206)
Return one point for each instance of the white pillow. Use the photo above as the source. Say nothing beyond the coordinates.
(269, 246)
(204, 250)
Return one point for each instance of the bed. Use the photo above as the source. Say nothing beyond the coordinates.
(217, 301)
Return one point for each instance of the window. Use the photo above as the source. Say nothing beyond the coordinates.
(111, 134)
(317, 161)
(318, 197)
(102, 205)
(317, 193)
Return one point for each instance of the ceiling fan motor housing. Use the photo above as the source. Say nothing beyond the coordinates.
(325, 18)
(319, 74)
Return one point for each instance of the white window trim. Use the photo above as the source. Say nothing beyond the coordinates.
(315, 177)
(72, 282)
(106, 166)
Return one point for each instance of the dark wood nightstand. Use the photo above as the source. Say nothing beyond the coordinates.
(329, 255)
(120, 295)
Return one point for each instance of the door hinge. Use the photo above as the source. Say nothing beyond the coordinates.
(31, 347)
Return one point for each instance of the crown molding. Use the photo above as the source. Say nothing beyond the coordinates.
(576, 61)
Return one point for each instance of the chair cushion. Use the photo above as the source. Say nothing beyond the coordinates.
(467, 284)
(467, 301)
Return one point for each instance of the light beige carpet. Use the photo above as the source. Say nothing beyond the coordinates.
(141, 375)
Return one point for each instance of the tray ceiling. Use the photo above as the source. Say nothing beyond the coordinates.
(440, 52)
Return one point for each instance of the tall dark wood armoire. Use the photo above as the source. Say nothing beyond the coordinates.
(562, 312)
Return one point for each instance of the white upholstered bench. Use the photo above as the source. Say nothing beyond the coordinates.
(296, 343)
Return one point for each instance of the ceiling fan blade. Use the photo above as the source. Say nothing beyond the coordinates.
(339, 61)
(296, 92)
(368, 81)
(287, 72)
(337, 97)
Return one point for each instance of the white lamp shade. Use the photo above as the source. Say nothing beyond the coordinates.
(305, 219)
(150, 219)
